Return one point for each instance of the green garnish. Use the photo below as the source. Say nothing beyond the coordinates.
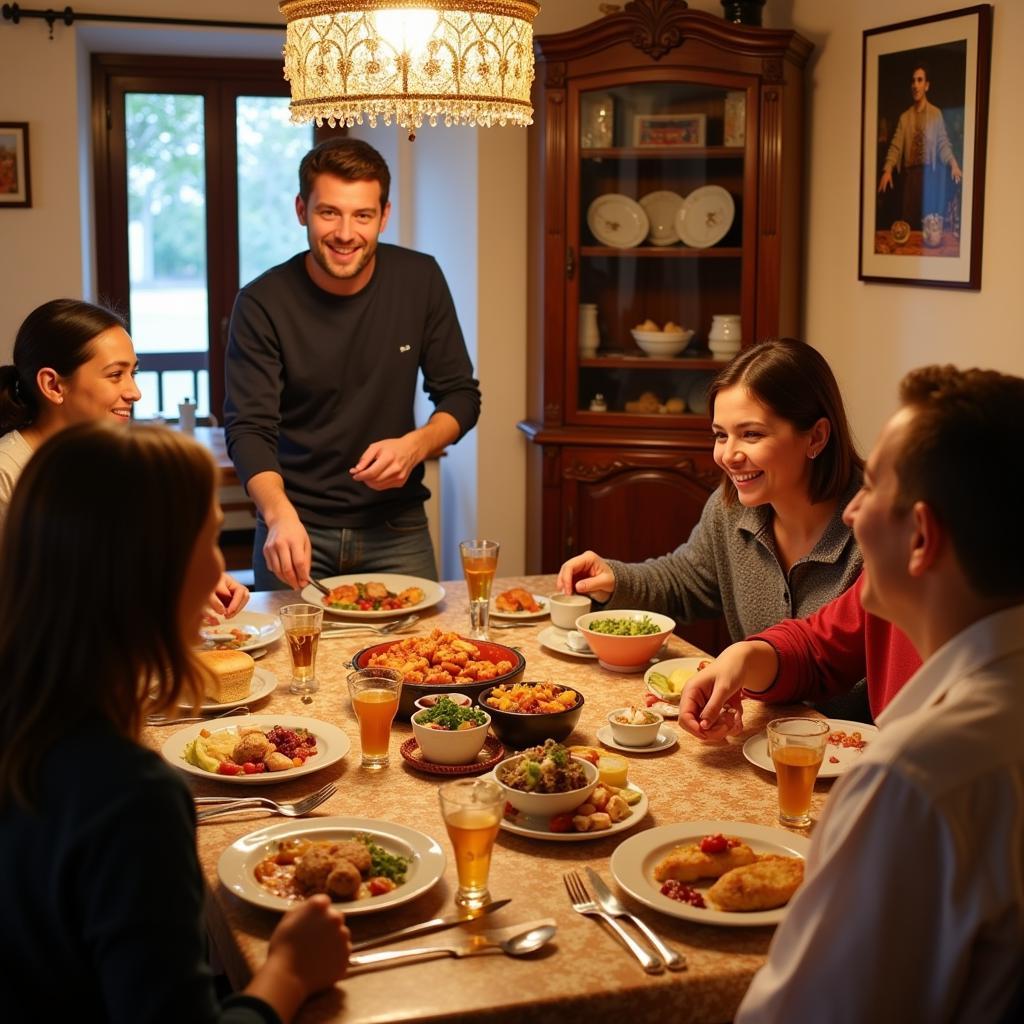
(449, 715)
(384, 864)
(560, 756)
(625, 627)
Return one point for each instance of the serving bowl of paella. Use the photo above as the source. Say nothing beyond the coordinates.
(443, 662)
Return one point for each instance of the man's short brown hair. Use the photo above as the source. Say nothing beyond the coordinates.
(960, 455)
(348, 159)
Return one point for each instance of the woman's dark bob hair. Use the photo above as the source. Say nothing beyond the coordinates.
(795, 382)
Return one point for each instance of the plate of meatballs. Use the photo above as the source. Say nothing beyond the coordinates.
(364, 865)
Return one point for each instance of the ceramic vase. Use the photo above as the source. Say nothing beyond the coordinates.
(589, 337)
(725, 336)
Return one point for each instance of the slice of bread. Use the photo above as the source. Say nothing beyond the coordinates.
(230, 675)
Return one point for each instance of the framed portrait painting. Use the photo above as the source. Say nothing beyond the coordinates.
(923, 138)
(15, 185)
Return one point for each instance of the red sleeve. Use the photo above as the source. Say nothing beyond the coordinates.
(820, 656)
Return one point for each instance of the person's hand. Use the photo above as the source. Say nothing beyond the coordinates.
(587, 574)
(954, 170)
(885, 182)
(229, 596)
(710, 707)
(287, 551)
(388, 463)
(308, 952)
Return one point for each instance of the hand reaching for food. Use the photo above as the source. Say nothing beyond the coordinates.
(587, 574)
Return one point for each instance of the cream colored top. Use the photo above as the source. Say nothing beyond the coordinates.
(15, 452)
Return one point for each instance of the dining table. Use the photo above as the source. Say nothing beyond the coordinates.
(584, 973)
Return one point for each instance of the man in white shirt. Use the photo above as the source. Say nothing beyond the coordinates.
(913, 904)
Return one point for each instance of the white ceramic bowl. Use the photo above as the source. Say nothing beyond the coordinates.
(428, 700)
(546, 805)
(690, 666)
(441, 746)
(625, 653)
(635, 735)
(661, 344)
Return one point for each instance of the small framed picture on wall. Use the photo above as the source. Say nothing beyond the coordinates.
(15, 184)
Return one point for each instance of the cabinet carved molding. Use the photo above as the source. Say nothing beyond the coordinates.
(592, 472)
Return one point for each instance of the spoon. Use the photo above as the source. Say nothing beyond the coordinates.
(515, 940)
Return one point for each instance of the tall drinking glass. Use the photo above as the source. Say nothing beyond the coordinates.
(479, 563)
(797, 747)
(471, 809)
(302, 625)
(375, 693)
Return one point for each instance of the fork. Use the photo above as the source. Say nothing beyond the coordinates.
(171, 720)
(295, 809)
(608, 902)
(583, 904)
(344, 628)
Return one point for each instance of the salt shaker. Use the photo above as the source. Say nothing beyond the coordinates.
(186, 417)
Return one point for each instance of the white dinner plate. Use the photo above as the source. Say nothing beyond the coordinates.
(537, 828)
(331, 746)
(617, 220)
(662, 209)
(633, 862)
(264, 683)
(697, 396)
(705, 217)
(433, 593)
(426, 860)
(538, 598)
(755, 750)
(263, 629)
(553, 639)
(666, 740)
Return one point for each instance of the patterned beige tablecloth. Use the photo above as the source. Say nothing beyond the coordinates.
(584, 973)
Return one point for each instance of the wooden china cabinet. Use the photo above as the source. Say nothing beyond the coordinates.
(665, 185)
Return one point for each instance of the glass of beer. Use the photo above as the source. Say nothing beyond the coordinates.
(375, 693)
(471, 809)
(797, 747)
(302, 625)
(479, 563)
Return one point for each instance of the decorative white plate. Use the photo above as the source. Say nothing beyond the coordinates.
(331, 746)
(697, 397)
(662, 208)
(553, 639)
(263, 630)
(705, 217)
(633, 862)
(617, 220)
(264, 683)
(426, 860)
(666, 740)
(433, 593)
(538, 598)
(755, 750)
(537, 828)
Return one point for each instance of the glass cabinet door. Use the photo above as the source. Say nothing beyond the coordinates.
(663, 217)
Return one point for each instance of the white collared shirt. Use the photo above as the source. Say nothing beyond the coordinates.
(913, 904)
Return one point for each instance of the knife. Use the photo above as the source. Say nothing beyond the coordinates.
(435, 925)
(610, 905)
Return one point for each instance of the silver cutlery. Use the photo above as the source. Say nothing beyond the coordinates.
(319, 586)
(295, 809)
(435, 925)
(515, 940)
(512, 625)
(583, 904)
(171, 720)
(344, 628)
(610, 904)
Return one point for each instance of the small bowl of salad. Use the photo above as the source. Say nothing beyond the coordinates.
(546, 780)
(450, 733)
(625, 640)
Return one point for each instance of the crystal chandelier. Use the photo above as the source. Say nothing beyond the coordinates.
(460, 61)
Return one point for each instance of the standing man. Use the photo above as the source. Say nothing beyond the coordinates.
(322, 365)
(918, 147)
(912, 906)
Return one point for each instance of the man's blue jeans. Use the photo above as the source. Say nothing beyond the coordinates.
(400, 544)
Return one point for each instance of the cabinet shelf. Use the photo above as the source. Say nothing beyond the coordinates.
(642, 362)
(664, 153)
(663, 252)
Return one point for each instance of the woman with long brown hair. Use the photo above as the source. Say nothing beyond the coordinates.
(102, 588)
(771, 543)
